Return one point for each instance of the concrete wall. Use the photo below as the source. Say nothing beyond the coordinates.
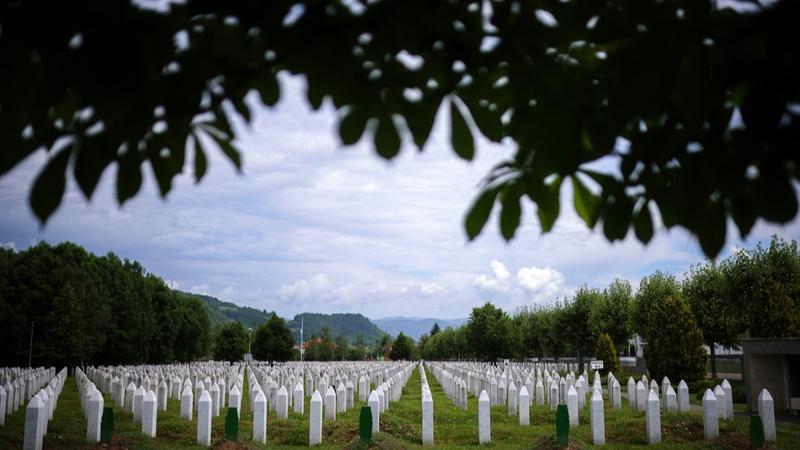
(767, 372)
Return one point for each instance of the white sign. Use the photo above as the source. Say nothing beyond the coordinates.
(594, 365)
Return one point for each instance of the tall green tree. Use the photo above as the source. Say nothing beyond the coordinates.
(488, 332)
(653, 290)
(575, 327)
(231, 342)
(434, 329)
(674, 346)
(612, 313)
(273, 341)
(718, 315)
(403, 348)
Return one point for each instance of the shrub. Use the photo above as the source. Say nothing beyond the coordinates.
(604, 350)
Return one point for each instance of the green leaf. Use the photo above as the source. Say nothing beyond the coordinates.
(351, 126)
(268, 88)
(479, 213)
(200, 164)
(91, 160)
(643, 224)
(387, 140)
(617, 217)
(129, 176)
(420, 118)
(488, 122)
(510, 215)
(546, 197)
(461, 135)
(711, 231)
(224, 143)
(48, 189)
(587, 204)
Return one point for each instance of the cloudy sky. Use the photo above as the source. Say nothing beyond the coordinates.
(312, 226)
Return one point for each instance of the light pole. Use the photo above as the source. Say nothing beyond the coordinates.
(249, 342)
(30, 347)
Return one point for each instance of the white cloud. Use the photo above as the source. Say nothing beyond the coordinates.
(8, 245)
(532, 284)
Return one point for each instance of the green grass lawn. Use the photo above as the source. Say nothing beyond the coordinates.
(400, 428)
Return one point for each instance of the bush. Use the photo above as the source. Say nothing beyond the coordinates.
(699, 387)
(604, 350)
(674, 342)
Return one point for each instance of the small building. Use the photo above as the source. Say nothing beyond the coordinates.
(772, 364)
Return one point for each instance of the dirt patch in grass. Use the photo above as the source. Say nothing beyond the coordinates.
(734, 441)
(682, 428)
(550, 443)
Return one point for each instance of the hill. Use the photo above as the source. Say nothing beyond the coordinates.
(414, 326)
(351, 325)
(220, 312)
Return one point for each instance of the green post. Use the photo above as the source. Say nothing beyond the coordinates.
(562, 426)
(756, 432)
(232, 425)
(107, 425)
(365, 424)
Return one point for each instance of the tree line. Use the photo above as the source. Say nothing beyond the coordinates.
(70, 307)
(754, 293)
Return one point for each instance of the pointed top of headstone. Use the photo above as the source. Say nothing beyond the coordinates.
(484, 397)
(373, 396)
(725, 383)
(709, 395)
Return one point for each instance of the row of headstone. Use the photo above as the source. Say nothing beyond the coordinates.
(41, 406)
(18, 385)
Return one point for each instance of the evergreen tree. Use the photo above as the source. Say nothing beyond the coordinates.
(674, 343)
(434, 329)
(403, 348)
(605, 351)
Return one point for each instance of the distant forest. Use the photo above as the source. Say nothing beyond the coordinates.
(84, 308)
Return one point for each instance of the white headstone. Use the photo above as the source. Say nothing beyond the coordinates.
(138, 396)
(683, 397)
(260, 417)
(670, 399)
(299, 402)
(149, 414)
(203, 416)
(162, 396)
(283, 403)
(710, 415)
(315, 420)
(341, 399)
(598, 418)
(641, 396)
(726, 387)
(512, 399)
(375, 406)
(766, 410)
(215, 401)
(484, 419)
(631, 393)
(722, 402)
(653, 416)
(235, 400)
(94, 414)
(186, 403)
(34, 432)
(330, 404)
(524, 407)
(572, 406)
(427, 417)
(539, 392)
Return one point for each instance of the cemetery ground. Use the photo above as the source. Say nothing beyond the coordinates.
(400, 427)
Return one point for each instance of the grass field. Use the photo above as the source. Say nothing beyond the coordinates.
(400, 428)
